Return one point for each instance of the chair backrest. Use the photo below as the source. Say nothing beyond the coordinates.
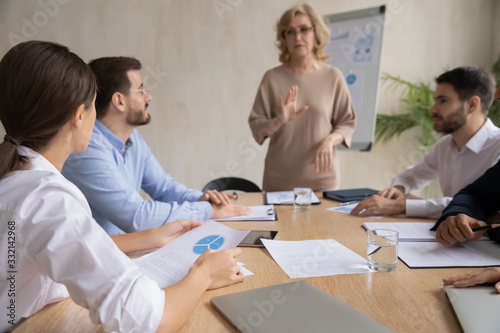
(231, 183)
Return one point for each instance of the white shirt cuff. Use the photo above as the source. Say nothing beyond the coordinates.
(430, 208)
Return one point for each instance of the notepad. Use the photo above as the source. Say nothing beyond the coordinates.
(408, 231)
(292, 307)
(434, 254)
(259, 213)
(286, 198)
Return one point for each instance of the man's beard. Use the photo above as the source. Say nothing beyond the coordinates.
(453, 121)
(137, 118)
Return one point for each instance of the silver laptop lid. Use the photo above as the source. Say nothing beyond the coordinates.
(477, 308)
(292, 307)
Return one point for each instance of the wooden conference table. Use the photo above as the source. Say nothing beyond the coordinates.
(405, 300)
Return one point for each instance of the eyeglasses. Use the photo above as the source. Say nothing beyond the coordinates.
(303, 31)
(143, 91)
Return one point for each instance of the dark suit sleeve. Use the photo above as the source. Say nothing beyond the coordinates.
(478, 200)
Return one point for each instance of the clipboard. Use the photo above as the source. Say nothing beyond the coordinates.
(282, 198)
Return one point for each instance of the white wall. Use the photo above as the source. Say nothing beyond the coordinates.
(204, 66)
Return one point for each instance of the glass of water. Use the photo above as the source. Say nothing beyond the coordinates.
(382, 249)
(302, 199)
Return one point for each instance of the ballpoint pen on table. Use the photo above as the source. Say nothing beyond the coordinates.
(486, 227)
(348, 203)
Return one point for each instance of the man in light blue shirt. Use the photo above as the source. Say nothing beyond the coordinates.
(118, 162)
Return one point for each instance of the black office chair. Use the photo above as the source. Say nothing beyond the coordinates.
(231, 183)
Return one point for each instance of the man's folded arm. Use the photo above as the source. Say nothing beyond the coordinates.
(477, 200)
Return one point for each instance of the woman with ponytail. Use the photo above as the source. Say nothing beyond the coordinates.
(50, 247)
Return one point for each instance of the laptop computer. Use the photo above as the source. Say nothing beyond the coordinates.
(292, 307)
(477, 307)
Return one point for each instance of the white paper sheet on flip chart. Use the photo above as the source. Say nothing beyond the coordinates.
(171, 263)
(434, 254)
(300, 259)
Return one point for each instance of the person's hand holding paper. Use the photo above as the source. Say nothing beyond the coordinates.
(219, 268)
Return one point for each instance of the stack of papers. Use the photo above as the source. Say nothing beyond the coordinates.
(301, 259)
(259, 213)
(286, 198)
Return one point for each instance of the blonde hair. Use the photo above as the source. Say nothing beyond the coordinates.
(320, 29)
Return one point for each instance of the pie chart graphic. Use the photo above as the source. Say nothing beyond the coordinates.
(210, 242)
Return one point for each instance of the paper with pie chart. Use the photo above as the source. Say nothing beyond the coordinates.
(213, 242)
(172, 262)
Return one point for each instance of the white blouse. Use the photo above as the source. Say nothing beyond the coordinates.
(50, 245)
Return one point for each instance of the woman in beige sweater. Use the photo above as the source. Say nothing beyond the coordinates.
(303, 106)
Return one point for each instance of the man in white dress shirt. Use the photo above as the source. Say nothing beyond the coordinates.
(462, 99)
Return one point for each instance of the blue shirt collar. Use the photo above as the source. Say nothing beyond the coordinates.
(115, 141)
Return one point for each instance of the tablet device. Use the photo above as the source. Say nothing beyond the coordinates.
(253, 238)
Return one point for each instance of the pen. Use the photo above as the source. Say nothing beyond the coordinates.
(235, 195)
(486, 227)
(347, 203)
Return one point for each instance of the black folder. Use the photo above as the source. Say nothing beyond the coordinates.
(355, 194)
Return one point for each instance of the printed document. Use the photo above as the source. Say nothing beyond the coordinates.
(433, 254)
(171, 263)
(300, 259)
(346, 209)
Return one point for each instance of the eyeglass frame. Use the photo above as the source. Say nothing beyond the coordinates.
(303, 31)
(144, 90)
